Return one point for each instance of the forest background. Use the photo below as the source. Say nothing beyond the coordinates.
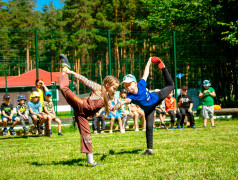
(126, 33)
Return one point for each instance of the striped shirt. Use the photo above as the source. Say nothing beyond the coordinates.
(96, 88)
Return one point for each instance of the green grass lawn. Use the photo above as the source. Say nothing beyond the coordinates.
(210, 153)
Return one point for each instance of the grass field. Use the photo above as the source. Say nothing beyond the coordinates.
(210, 153)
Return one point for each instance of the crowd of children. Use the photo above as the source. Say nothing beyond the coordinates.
(35, 112)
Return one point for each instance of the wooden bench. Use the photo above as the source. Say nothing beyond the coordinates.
(227, 111)
(45, 131)
(186, 121)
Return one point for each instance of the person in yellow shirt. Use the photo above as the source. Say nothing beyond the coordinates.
(41, 89)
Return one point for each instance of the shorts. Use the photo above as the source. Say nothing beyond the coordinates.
(207, 112)
(13, 118)
(111, 115)
(160, 112)
(34, 114)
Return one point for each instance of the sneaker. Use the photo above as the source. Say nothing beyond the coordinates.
(158, 61)
(193, 127)
(123, 131)
(40, 129)
(59, 134)
(171, 127)
(204, 126)
(50, 132)
(93, 165)
(136, 129)
(95, 132)
(34, 130)
(110, 131)
(214, 126)
(178, 127)
(154, 128)
(64, 61)
(102, 132)
(4, 132)
(147, 152)
(12, 132)
(182, 126)
(143, 129)
(26, 131)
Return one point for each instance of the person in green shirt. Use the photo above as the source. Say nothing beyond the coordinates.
(207, 94)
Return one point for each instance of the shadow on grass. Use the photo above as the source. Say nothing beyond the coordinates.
(112, 152)
(20, 137)
(72, 162)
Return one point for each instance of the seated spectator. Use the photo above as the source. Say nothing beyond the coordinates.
(185, 103)
(114, 115)
(101, 117)
(35, 112)
(124, 110)
(162, 115)
(48, 108)
(8, 115)
(171, 108)
(22, 113)
(137, 111)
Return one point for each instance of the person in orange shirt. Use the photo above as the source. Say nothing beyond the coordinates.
(171, 108)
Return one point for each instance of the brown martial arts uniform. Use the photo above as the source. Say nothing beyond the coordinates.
(83, 108)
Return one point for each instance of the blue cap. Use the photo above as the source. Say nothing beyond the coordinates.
(48, 93)
(21, 96)
(206, 83)
(129, 78)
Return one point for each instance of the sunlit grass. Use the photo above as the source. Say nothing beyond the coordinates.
(209, 153)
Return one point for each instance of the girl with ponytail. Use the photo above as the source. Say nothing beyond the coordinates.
(88, 106)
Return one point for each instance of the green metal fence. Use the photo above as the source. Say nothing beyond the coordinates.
(95, 54)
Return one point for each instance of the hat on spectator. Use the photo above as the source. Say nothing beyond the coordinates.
(35, 94)
(129, 78)
(123, 91)
(21, 96)
(184, 87)
(206, 83)
(48, 93)
(6, 96)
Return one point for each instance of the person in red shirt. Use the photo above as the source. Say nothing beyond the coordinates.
(171, 108)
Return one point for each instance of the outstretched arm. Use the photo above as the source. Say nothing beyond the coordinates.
(147, 70)
(94, 86)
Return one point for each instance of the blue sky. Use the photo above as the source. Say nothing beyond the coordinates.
(40, 3)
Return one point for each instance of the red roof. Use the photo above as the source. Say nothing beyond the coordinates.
(29, 78)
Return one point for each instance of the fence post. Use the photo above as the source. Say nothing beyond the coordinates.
(50, 72)
(6, 77)
(175, 67)
(37, 56)
(109, 53)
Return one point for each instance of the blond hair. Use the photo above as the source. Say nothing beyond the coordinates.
(110, 80)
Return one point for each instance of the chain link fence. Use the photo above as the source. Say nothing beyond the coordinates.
(95, 54)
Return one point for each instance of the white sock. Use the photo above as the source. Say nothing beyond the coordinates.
(89, 158)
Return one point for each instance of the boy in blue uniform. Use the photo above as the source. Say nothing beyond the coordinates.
(146, 100)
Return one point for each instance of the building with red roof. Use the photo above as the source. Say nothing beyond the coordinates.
(24, 83)
(28, 79)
